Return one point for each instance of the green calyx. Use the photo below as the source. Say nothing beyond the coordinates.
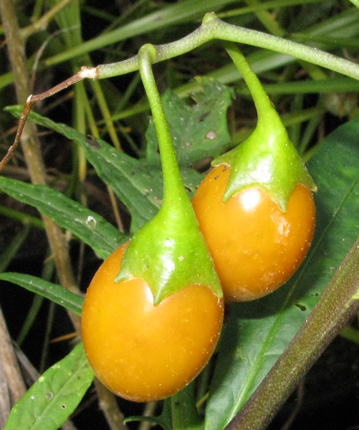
(267, 158)
(169, 252)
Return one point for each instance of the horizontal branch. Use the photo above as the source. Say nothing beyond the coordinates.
(213, 28)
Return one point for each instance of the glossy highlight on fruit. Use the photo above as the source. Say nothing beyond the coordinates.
(255, 246)
(144, 352)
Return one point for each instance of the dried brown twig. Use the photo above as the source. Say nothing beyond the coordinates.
(85, 72)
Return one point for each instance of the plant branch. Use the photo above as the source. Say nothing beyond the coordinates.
(214, 28)
(211, 28)
(109, 407)
(337, 306)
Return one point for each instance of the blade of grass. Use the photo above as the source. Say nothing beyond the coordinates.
(54, 292)
(47, 272)
(10, 252)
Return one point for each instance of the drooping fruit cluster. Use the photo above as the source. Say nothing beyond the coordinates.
(154, 310)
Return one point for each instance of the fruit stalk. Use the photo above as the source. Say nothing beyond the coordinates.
(179, 256)
(267, 158)
(173, 186)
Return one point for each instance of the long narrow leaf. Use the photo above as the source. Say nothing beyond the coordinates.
(128, 177)
(93, 229)
(54, 292)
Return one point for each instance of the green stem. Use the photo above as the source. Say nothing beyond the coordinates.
(267, 115)
(337, 306)
(13, 248)
(350, 333)
(179, 256)
(173, 186)
(267, 158)
(214, 28)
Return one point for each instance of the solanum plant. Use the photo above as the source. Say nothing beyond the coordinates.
(131, 318)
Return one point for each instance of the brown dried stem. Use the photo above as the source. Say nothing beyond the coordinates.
(85, 72)
(12, 384)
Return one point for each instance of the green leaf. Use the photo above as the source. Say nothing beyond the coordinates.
(54, 292)
(258, 332)
(198, 130)
(56, 394)
(128, 177)
(90, 227)
(138, 183)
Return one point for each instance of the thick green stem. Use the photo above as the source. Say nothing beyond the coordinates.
(337, 306)
(267, 158)
(267, 115)
(173, 185)
(178, 254)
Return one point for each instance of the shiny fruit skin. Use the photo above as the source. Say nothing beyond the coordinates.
(255, 246)
(143, 352)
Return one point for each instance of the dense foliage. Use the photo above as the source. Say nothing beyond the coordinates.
(88, 176)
